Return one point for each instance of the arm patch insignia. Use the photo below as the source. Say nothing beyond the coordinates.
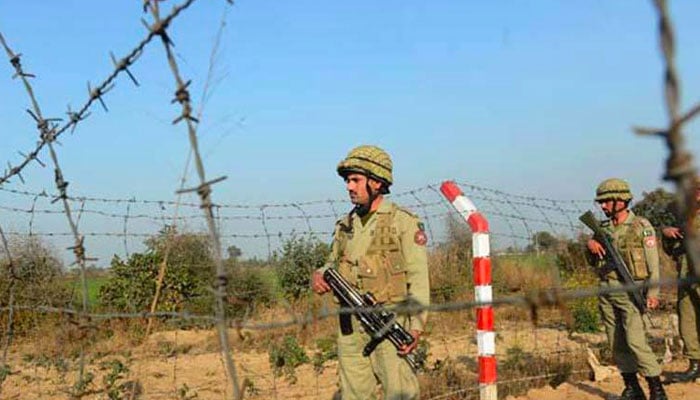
(420, 237)
(650, 241)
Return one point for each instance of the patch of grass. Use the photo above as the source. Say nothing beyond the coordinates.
(94, 283)
(515, 273)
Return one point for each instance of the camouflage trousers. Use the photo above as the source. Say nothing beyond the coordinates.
(626, 333)
(688, 317)
(359, 375)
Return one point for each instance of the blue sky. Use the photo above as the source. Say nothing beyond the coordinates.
(529, 97)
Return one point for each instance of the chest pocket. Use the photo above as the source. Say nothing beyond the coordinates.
(382, 270)
(632, 249)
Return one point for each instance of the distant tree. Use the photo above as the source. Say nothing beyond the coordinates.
(656, 206)
(36, 272)
(544, 241)
(234, 252)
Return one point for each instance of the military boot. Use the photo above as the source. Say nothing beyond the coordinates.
(656, 390)
(689, 375)
(632, 389)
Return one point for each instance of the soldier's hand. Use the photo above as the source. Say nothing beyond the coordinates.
(596, 248)
(672, 232)
(406, 349)
(318, 283)
(652, 303)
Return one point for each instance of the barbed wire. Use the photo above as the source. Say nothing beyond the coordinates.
(204, 190)
(12, 274)
(47, 135)
(533, 300)
(94, 94)
(513, 209)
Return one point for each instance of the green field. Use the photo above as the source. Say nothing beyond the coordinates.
(94, 283)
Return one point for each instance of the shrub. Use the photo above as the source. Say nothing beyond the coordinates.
(189, 272)
(36, 275)
(300, 256)
(586, 317)
(450, 264)
(246, 290)
(286, 356)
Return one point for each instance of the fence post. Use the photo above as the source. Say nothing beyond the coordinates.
(481, 263)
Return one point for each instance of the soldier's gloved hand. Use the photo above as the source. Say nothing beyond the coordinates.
(318, 283)
(652, 303)
(672, 232)
(596, 248)
(405, 349)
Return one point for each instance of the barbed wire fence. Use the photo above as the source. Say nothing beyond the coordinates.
(260, 231)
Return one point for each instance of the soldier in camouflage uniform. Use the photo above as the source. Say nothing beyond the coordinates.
(634, 238)
(688, 296)
(380, 248)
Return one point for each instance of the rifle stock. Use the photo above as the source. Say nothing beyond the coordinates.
(378, 322)
(613, 259)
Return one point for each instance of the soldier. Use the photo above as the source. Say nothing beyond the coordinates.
(688, 296)
(380, 248)
(634, 238)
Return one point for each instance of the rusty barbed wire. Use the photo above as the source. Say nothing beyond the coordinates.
(94, 94)
(534, 299)
(182, 96)
(9, 331)
(47, 134)
(679, 164)
(473, 192)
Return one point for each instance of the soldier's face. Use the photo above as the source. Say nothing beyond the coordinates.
(356, 184)
(610, 207)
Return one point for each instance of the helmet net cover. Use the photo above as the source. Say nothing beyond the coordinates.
(368, 160)
(613, 189)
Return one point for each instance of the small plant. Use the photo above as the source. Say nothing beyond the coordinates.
(184, 393)
(116, 371)
(285, 357)
(586, 315)
(584, 311)
(249, 387)
(170, 349)
(83, 384)
(5, 371)
(326, 350)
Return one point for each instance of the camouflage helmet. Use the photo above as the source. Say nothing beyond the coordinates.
(613, 189)
(368, 160)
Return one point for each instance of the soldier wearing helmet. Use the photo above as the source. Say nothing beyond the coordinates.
(688, 306)
(634, 238)
(380, 248)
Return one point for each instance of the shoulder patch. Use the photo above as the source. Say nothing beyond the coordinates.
(650, 241)
(420, 237)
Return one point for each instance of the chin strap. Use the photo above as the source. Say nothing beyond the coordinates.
(363, 209)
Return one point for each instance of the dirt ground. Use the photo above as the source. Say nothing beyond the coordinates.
(187, 365)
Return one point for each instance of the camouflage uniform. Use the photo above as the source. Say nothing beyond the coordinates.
(635, 241)
(383, 253)
(688, 302)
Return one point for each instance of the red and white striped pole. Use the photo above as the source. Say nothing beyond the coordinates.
(485, 335)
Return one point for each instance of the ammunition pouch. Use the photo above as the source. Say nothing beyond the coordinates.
(383, 276)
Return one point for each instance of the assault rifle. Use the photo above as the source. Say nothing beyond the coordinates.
(379, 322)
(613, 259)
